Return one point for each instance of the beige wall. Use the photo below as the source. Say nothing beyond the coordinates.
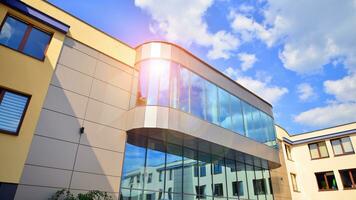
(302, 165)
(87, 89)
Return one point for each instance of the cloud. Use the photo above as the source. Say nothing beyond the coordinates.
(343, 89)
(248, 60)
(329, 115)
(261, 87)
(340, 110)
(182, 21)
(305, 91)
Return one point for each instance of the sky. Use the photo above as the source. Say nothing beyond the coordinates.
(300, 56)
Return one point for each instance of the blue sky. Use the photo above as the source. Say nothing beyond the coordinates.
(298, 55)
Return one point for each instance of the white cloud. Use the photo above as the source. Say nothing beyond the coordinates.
(343, 89)
(265, 90)
(248, 60)
(305, 91)
(329, 115)
(261, 87)
(182, 21)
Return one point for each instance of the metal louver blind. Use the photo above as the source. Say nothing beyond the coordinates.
(12, 108)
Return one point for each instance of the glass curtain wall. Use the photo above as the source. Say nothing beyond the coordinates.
(160, 170)
(166, 83)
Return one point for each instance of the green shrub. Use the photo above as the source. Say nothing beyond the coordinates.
(65, 194)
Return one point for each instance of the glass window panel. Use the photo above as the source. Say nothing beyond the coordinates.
(12, 108)
(155, 69)
(248, 119)
(37, 43)
(323, 150)
(241, 176)
(267, 177)
(184, 89)
(12, 32)
(190, 162)
(174, 79)
(224, 109)
(257, 132)
(260, 184)
(163, 69)
(134, 164)
(143, 83)
(155, 162)
(236, 113)
(130, 194)
(231, 178)
(197, 96)
(219, 179)
(250, 174)
(174, 168)
(313, 148)
(205, 160)
(346, 143)
(346, 178)
(212, 102)
(337, 147)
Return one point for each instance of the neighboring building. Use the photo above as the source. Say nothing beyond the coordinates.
(320, 164)
(82, 110)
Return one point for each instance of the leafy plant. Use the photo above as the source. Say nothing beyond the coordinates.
(65, 194)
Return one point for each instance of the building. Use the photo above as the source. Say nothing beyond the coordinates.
(84, 111)
(320, 164)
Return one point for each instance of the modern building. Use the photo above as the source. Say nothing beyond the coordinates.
(82, 110)
(320, 164)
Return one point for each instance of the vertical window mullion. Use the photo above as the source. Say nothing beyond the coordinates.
(352, 178)
(326, 181)
(25, 38)
(342, 146)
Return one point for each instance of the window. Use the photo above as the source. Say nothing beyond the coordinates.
(259, 186)
(170, 193)
(138, 178)
(348, 178)
(170, 174)
(12, 111)
(149, 179)
(160, 177)
(24, 37)
(294, 182)
(237, 188)
(217, 169)
(202, 170)
(132, 179)
(218, 190)
(342, 146)
(200, 191)
(326, 181)
(288, 151)
(318, 150)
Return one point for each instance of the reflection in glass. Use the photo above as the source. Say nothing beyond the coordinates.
(211, 102)
(143, 84)
(184, 89)
(155, 162)
(224, 109)
(174, 80)
(12, 32)
(205, 181)
(162, 170)
(197, 96)
(36, 43)
(237, 118)
(163, 69)
(250, 174)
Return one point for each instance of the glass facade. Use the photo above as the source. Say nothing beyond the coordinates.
(166, 169)
(165, 83)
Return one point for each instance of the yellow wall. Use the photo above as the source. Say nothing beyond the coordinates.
(88, 35)
(305, 168)
(27, 75)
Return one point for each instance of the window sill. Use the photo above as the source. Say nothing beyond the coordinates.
(298, 191)
(350, 188)
(41, 60)
(327, 190)
(345, 154)
(320, 158)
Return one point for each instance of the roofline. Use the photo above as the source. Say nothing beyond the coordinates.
(283, 129)
(204, 62)
(330, 127)
(95, 28)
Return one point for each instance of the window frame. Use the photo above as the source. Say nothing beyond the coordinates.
(318, 147)
(353, 181)
(2, 94)
(326, 181)
(342, 147)
(288, 149)
(294, 186)
(24, 39)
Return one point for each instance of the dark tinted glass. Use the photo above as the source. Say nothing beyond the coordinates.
(12, 32)
(36, 43)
